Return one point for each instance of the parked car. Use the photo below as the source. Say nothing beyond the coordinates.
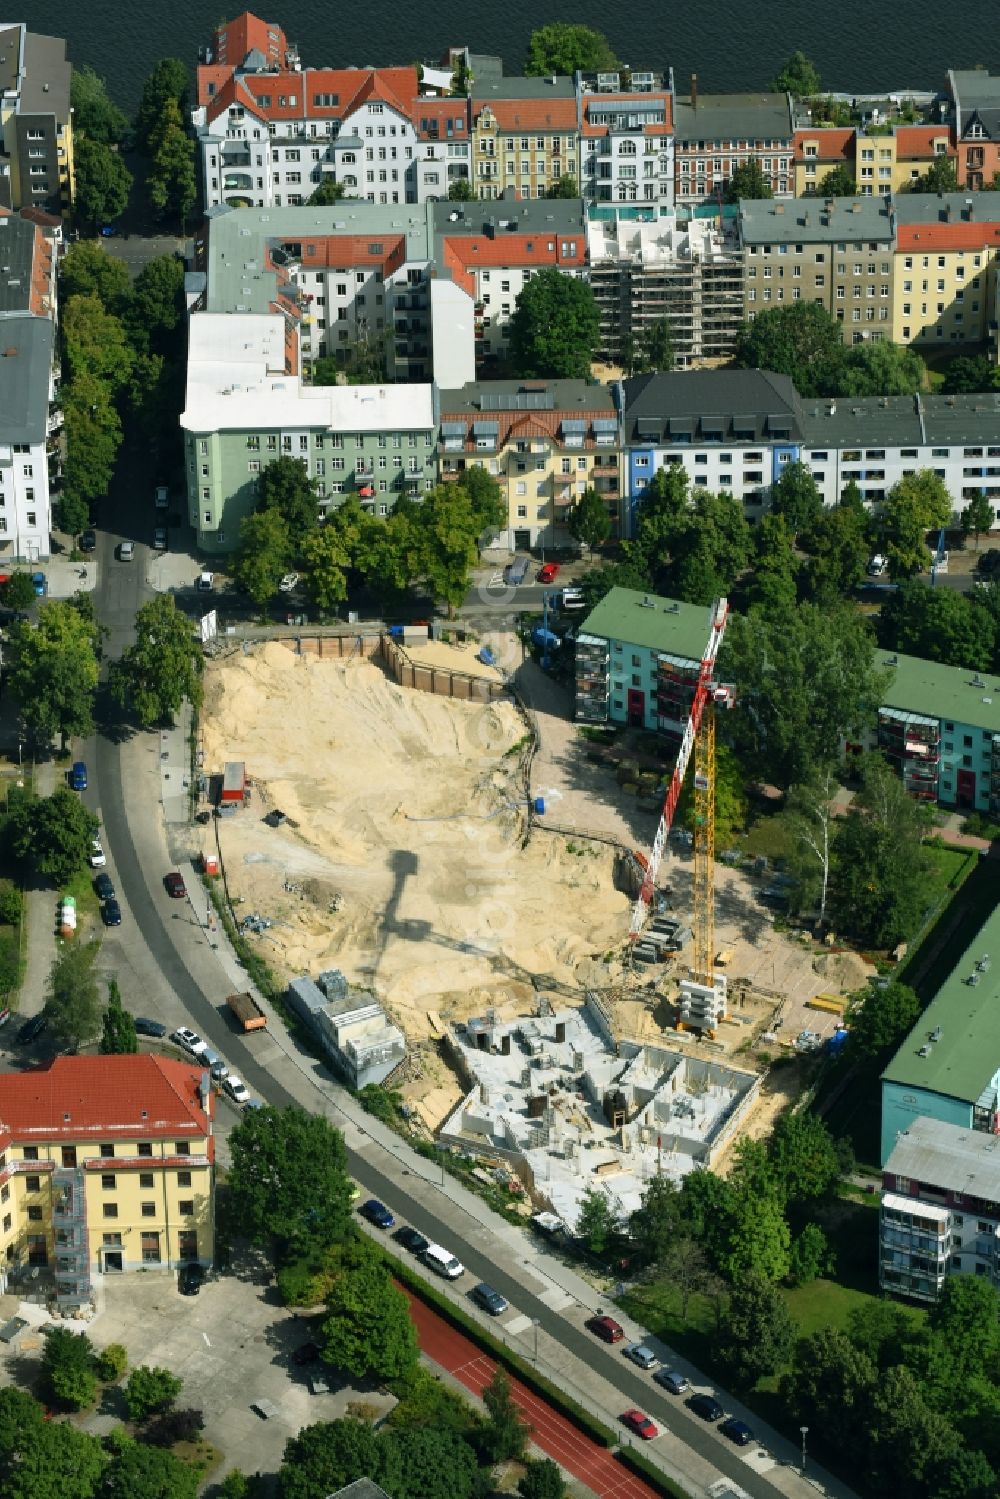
(237, 1089)
(641, 1355)
(675, 1383)
(491, 1301)
(190, 1040)
(32, 1028)
(877, 565)
(707, 1407)
(989, 561)
(191, 1278)
(78, 776)
(161, 497)
(40, 584)
(607, 1329)
(111, 913)
(98, 859)
(289, 583)
(640, 1423)
(205, 583)
(411, 1239)
(144, 1027)
(104, 887)
(160, 539)
(88, 540)
(737, 1431)
(126, 552)
(548, 572)
(376, 1212)
(175, 886)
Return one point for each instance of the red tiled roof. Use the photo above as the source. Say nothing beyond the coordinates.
(964, 235)
(456, 269)
(343, 251)
(833, 145)
(217, 74)
(915, 142)
(234, 91)
(473, 250)
(246, 34)
(665, 99)
(520, 424)
(350, 87)
(530, 114)
(426, 113)
(76, 1098)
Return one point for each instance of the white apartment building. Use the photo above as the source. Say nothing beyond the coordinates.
(627, 143)
(28, 422)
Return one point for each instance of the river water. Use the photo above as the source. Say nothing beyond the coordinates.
(731, 44)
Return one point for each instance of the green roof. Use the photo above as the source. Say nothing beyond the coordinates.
(646, 619)
(964, 1059)
(950, 693)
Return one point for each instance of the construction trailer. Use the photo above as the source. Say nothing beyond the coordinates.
(235, 786)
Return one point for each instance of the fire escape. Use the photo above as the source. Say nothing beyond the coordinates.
(70, 1225)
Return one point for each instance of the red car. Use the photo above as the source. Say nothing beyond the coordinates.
(175, 885)
(640, 1424)
(548, 572)
(607, 1329)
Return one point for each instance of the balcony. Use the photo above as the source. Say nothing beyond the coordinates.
(237, 182)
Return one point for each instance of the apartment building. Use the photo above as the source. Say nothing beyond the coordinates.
(525, 135)
(545, 442)
(716, 133)
(835, 251)
(106, 1167)
(946, 248)
(36, 127)
(245, 406)
(29, 420)
(975, 98)
(626, 138)
(818, 150)
(643, 271)
(637, 661)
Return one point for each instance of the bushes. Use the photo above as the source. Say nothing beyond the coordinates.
(150, 1390)
(112, 1363)
(10, 906)
(175, 1426)
(68, 1371)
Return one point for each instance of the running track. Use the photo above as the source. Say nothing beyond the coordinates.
(571, 1448)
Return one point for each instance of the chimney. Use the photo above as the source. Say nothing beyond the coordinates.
(694, 90)
(970, 209)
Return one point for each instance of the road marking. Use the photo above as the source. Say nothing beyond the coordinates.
(556, 1298)
(207, 1343)
(517, 1324)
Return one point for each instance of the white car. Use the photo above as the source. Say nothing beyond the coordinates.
(190, 1040)
(97, 855)
(236, 1088)
(126, 551)
(205, 583)
(289, 582)
(877, 565)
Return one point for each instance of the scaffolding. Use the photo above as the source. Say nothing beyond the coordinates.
(704, 848)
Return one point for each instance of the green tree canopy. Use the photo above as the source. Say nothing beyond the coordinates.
(150, 1389)
(144, 1472)
(428, 1464)
(168, 83)
(328, 192)
(367, 1330)
(881, 369)
(68, 1368)
(839, 545)
(446, 534)
(87, 270)
(799, 76)
(118, 1036)
(940, 177)
(839, 182)
(541, 1480)
(326, 1457)
(880, 866)
(324, 557)
(289, 1178)
(830, 1387)
(171, 181)
(916, 504)
(54, 672)
(488, 504)
(589, 521)
(965, 1319)
(565, 186)
(810, 1256)
(103, 182)
(803, 1157)
(52, 834)
(505, 1432)
(156, 317)
(756, 1334)
(95, 114)
(265, 552)
(969, 374)
(565, 48)
(775, 566)
(285, 486)
(808, 818)
(461, 191)
(162, 667)
(597, 1222)
(71, 1002)
(690, 550)
(799, 339)
(61, 1461)
(978, 516)
(707, 1209)
(555, 329)
(796, 498)
(938, 624)
(654, 1225)
(759, 1240)
(880, 1018)
(93, 433)
(95, 343)
(748, 180)
(656, 347)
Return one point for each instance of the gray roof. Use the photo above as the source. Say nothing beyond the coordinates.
(485, 65)
(519, 215)
(485, 396)
(948, 1157)
(361, 1488)
(25, 369)
(727, 117)
(977, 96)
(45, 86)
(815, 221)
(947, 208)
(710, 406)
(17, 249)
(10, 53)
(484, 89)
(902, 421)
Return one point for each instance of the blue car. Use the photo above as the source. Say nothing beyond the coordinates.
(376, 1212)
(737, 1431)
(40, 584)
(78, 776)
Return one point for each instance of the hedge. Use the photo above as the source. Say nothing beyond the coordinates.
(645, 1468)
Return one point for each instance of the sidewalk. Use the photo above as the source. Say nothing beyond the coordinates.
(40, 919)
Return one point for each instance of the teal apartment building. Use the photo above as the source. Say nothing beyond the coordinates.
(637, 660)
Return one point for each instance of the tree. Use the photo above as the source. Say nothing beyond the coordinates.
(707, 1207)
(487, 500)
(881, 369)
(428, 1464)
(656, 347)
(803, 1157)
(799, 76)
(839, 182)
(285, 486)
(796, 498)
(425, 1401)
(112, 1361)
(810, 1256)
(565, 186)
(685, 1266)
(263, 555)
(60, 1461)
(940, 177)
(881, 1330)
(289, 1179)
(87, 270)
(938, 624)
(964, 1319)
(596, 1224)
(880, 866)
(103, 182)
(756, 1334)
(839, 545)
(71, 1002)
(556, 327)
(589, 521)
(367, 1330)
(156, 316)
(915, 504)
(328, 192)
(18, 592)
(162, 667)
(95, 114)
(563, 48)
(800, 340)
(830, 1387)
(506, 1432)
(118, 1036)
(150, 1389)
(326, 1457)
(95, 343)
(694, 552)
(598, 582)
(167, 84)
(880, 1017)
(55, 673)
(171, 182)
(446, 551)
(807, 679)
(461, 191)
(748, 180)
(653, 1225)
(53, 834)
(325, 560)
(93, 433)
(978, 516)
(758, 1240)
(541, 1480)
(809, 818)
(969, 374)
(235, 1485)
(68, 1368)
(143, 1472)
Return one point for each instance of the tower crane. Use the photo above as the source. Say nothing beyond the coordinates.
(698, 994)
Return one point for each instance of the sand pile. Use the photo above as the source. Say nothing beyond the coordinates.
(410, 811)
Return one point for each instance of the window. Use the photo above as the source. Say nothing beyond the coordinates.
(149, 1209)
(151, 1248)
(108, 1183)
(182, 1147)
(186, 1206)
(29, 1153)
(144, 1148)
(110, 1209)
(32, 1183)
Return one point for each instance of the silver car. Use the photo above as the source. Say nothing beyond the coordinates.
(641, 1355)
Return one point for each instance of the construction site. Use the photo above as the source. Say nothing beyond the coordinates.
(417, 853)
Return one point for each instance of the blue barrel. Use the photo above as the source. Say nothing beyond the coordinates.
(540, 805)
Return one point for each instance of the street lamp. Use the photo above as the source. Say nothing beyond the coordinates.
(805, 1432)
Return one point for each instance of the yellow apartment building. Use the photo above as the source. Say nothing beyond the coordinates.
(818, 151)
(106, 1166)
(525, 136)
(944, 268)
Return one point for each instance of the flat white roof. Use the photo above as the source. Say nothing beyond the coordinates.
(236, 379)
(913, 1206)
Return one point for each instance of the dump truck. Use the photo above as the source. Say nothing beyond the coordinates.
(247, 1011)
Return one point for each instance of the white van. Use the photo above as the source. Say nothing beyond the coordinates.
(443, 1262)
